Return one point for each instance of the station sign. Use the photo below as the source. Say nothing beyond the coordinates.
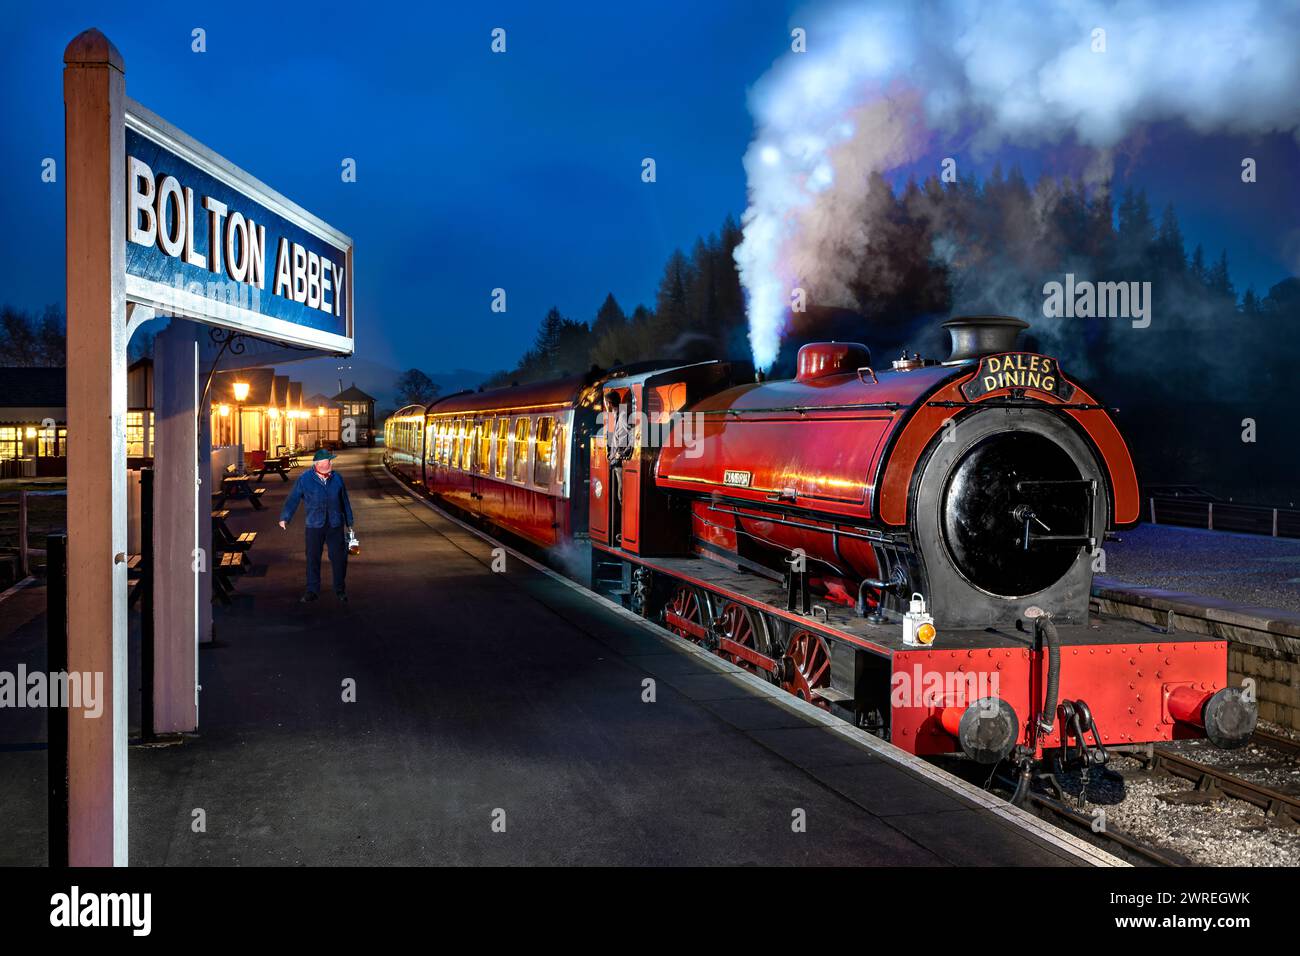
(207, 241)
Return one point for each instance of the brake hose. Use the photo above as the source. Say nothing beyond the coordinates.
(1046, 630)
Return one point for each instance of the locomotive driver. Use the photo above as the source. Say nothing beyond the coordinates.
(619, 451)
(329, 512)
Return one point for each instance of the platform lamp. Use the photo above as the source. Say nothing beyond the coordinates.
(241, 395)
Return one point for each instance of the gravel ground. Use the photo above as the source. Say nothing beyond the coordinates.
(1223, 833)
(1226, 832)
(1246, 568)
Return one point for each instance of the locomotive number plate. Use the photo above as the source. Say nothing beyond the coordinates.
(740, 479)
(1018, 370)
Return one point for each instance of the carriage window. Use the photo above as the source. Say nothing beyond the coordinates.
(503, 438)
(521, 449)
(484, 446)
(544, 463)
(430, 441)
(457, 435)
(466, 445)
(560, 449)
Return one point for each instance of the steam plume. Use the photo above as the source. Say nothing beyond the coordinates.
(882, 84)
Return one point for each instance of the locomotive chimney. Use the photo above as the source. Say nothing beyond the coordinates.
(977, 335)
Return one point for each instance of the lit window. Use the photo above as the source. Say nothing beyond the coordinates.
(559, 450)
(484, 445)
(11, 443)
(51, 443)
(139, 434)
(521, 449)
(503, 440)
(544, 462)
(469, 437)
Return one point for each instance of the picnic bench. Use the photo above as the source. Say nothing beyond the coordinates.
(235, 485)
(231, 550)
(224, 539)
(134, 578)
(228, 564)
(279, 466)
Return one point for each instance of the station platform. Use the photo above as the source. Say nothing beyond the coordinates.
(499, 719)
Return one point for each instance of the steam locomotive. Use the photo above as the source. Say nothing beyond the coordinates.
(911, 547)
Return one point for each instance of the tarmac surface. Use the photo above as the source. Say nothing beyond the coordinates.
(499, 718)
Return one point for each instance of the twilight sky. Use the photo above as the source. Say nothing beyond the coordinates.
(520, 170)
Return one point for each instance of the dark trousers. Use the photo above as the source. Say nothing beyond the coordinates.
(333, 539)
(616, 501)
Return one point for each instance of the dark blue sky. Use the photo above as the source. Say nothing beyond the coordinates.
(478, 170)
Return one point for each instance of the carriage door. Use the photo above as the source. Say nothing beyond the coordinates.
(478, 443)
(598, 487)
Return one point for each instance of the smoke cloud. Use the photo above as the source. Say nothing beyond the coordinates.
(883, 85)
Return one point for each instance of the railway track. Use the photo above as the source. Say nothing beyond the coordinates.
(1213, 782)
(1117, 842)
(1287, 745)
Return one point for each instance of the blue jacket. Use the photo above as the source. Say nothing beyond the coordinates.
(327, 501)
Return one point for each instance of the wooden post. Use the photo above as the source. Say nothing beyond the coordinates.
(24, 565)
(147, 562)
(181, 580)
(94, 93)
(56, 661)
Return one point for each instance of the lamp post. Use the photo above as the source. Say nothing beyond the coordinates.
(241, 394)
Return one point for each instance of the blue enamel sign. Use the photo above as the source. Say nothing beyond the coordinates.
(206, 241)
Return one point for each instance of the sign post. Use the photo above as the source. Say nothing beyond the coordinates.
(158, 225)
(94, 98)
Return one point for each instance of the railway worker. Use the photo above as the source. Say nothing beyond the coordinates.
(329, 514)
(619, 450)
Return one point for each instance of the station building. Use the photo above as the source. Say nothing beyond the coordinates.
(321, 426)
(34, 420)
(354, 404)
(263, 410)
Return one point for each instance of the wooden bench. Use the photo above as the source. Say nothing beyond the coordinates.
(240, 486)
(134, 571)
(279, 466)
(228, 564)
(224, 539)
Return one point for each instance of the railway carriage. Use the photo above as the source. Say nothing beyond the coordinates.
(508, 456)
